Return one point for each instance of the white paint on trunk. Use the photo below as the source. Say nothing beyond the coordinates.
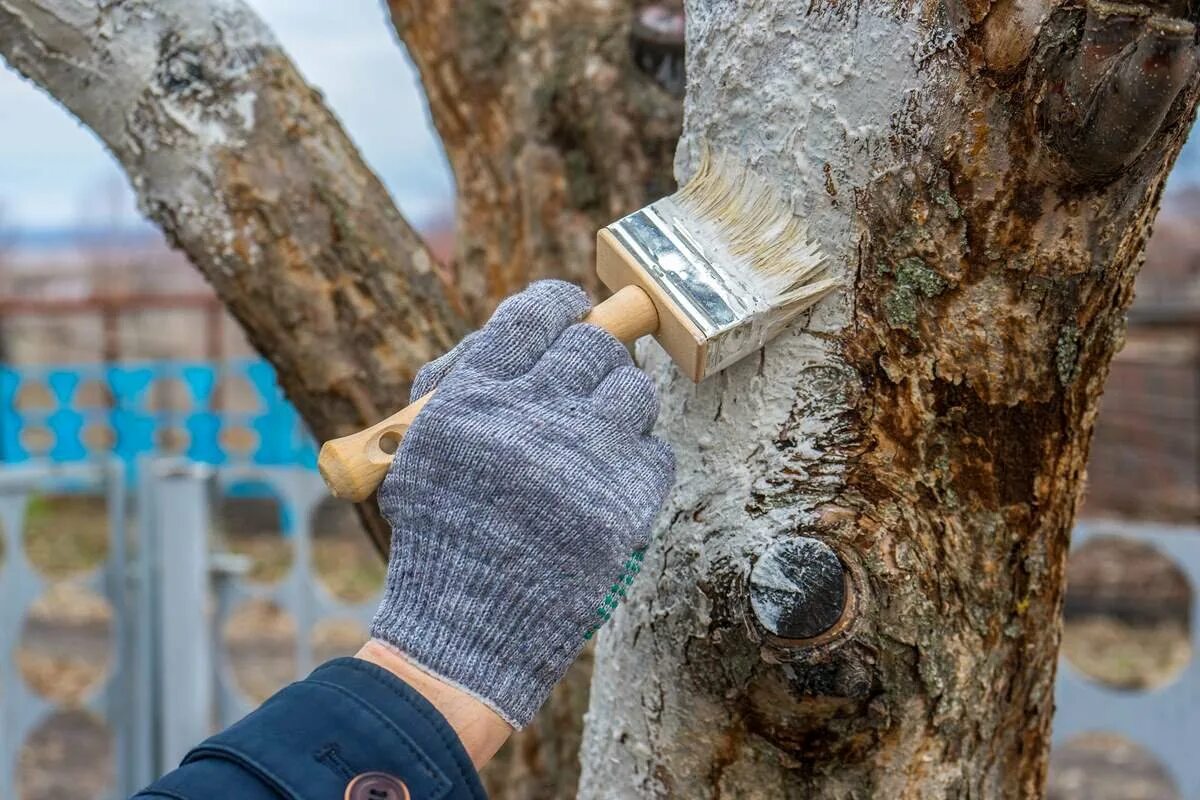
(814, 102)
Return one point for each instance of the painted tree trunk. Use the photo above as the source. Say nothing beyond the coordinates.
(984, 176)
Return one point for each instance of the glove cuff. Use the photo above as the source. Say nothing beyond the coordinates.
(467, 690)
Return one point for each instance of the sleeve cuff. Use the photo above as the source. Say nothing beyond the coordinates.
(347, 718)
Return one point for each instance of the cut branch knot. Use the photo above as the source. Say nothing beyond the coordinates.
(1103, 103)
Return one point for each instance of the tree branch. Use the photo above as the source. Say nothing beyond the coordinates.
(239, 162)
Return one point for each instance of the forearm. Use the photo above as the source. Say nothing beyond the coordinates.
(480, 729)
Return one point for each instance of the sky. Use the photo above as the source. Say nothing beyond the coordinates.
(55, 175)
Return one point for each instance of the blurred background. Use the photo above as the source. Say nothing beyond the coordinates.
(114, 354)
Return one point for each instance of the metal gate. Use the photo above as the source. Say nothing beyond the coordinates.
(21, 710)
(166, 688)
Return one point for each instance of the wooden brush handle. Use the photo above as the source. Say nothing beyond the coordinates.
(353, 466)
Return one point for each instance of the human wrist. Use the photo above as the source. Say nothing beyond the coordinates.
(480, 729)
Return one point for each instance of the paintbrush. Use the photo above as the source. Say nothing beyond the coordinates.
(713, 272)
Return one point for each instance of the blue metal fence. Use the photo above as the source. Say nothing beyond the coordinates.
(134, 425)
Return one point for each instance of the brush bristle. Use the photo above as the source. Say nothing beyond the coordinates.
(769, 245)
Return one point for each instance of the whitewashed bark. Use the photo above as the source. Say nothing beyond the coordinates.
(932, 425)
(791, 92)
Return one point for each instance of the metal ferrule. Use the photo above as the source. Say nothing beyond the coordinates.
(730, 314)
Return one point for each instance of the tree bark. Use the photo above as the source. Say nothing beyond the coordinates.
(239, 162)
(551, 127)
(984, 175)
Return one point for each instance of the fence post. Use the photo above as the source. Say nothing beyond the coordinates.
(185, 661)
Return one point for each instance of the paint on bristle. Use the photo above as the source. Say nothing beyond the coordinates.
(766, 245)
(730, 257)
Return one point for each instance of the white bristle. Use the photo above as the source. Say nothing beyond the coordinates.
(769, 245)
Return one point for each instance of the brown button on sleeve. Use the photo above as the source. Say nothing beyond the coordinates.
(376, 786)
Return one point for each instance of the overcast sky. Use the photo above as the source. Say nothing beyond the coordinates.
(54, 174)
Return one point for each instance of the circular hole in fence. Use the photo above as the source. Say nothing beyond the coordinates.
(1105, 766)
(260, 638)
(344, 560)
(170, 395)
(66, 644)
(237, 395)
(1127, 614)
(249, 517)
(70, 754)
(93, 394)
(66, 534)
(171, 441)
(98, 436)
(34, 396)
(238, 440)
(334, 638)
(37, 439)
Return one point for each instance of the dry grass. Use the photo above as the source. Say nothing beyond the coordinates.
(68, 755)
(261, 638)
(66, 534)
(334, 638)
(65, 647)
(348, 567)
(1106, 767)
(1126, 656)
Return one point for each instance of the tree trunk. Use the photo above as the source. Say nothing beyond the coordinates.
(551, 126)
(984, 175)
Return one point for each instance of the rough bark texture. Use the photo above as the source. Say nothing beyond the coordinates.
(243, 167)
(551, 127)
(985, 176)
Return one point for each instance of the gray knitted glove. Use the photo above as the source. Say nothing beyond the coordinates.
(520, 500)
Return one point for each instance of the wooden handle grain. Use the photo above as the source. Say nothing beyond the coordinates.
(353, 466)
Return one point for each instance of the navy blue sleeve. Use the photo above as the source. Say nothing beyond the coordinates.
(311, 739)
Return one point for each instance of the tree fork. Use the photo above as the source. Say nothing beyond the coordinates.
(987, 190)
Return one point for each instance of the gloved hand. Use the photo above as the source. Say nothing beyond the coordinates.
(520, 501)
